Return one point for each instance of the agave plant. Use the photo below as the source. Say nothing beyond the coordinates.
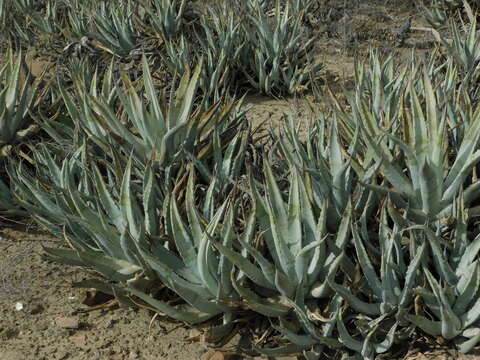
(17, 96)
(87, 83)
(25, 6)
(4, 9)
(298, 264)
(179, 55)
(8, 204)
(379, 83)
(324, 165)
(135, 234)
(78, 20)
(436, 15)
(131, 212)
(115, 29)
(275, 57)
(453, 294)
(166, 16)
(221, 45)
(49, 21)
(390, 297)
(295, 238)
(196, 274)
(427, 191)
(464, 49)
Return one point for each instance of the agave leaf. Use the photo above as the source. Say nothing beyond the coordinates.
(129, 249)
(467, 289)
(367, 266)
(180, 112)
(433, 328)
(195, 294)
(266, 307)
(63, 256)
(268, 269)
(451, 324)
(225, 267)
(443, 266)
(106, 113)
(207, 263)
(469, 344)
(345, 337)
(311, 329)
(430, 188)
(182, 238)
(301, 340)
(150, 198)
(321, 289)
(410, 276)
(472, 315)
(356, 303)
(386, 344)
(128, 204)
(469, 256)
(279, 225)
(253, 273)
(186, 314)
(465, 153)
(111, 268)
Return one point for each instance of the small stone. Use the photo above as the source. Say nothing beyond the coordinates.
(133, 355)
(194, 335)
(71, 322)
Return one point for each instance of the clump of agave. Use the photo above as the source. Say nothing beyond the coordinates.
(17, 95)
(350, 238)
(165, 16)
(276, 55)
(17, 99)
(114, 28)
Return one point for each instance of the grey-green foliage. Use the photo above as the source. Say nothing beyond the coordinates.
(165, 132)
(8, 203)
(112, 209)
(179, 55)
(414, 138)
(295, 238)
(17, 93)
(452, 295)
(49, 21)
(79, 19)
(165, 16)
(464, 47)
(276, 56)
(324, 167)
(118, 234)
(4, 9)
(391, 287)
(115, 29)
(271, 52)
(25, 6)
(220, 44)
(157, 126)
(330, 244)
(436, 14)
